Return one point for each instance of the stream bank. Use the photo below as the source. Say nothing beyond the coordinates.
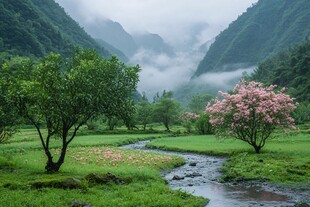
(200, 177)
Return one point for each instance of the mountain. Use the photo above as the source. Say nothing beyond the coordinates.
(35, 27)
(113, 50)
(153, 42)
(290, 69)
(266, 28)
(113, 33)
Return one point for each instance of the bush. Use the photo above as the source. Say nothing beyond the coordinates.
(203, 125)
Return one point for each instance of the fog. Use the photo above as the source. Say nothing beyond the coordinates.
(162, 72)
(174, 20)
(185, 25)
(222, 80)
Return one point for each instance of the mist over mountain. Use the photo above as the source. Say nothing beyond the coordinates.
(264, 29)
(153, 42)
(35, 27)
(111, 32)
(113, 50)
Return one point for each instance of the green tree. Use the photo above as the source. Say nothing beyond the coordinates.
(8, 114)
(198, 103)
(63, 95)
(166, 110)
(302, 113)
(144, 113)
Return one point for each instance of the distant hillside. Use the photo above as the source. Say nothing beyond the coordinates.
(115, 35)
(153, 42)
(36, 27)
(289, 69)
(119, 54)
(112, 33)
(264, 29)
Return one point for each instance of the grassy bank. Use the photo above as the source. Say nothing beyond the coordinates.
(95, 172)
(284, 160)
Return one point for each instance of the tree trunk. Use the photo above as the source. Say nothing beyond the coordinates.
(51, 166)
(167, 126)
(257, 149)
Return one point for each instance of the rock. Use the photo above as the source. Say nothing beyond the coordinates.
(105, 178)
(192, 164)
(80, 204)
(195, 174)
(71, 183)
(190, 184)
(301, 204)
(176, 177)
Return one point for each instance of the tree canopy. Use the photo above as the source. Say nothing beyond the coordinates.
(63, 94)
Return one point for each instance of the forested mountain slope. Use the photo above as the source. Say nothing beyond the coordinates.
(289, 69)
(36, 27)
(264, 29)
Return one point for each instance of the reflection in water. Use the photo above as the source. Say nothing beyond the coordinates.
(221, 195)
(260, 195)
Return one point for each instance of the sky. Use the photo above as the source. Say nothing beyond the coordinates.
(172, 19)
(178, 22)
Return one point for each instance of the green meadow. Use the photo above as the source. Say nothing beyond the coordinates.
(95, 172)
(101, 174)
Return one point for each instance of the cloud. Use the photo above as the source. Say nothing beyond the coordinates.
(173, 19)
(185, 24)
(222, 80)
(162, 72)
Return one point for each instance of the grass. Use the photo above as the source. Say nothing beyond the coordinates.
(28, 139)
(206, 144)
(284, 160)
(22, 168)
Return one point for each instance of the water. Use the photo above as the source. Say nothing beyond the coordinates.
(199, 176)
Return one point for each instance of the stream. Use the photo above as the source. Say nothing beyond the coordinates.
(199, 177)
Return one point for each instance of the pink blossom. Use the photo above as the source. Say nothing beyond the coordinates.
(252, 106)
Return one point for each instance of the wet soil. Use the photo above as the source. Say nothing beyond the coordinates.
(200, 177)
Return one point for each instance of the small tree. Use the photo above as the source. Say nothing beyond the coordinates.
(188, 119)
(144, 113)
(63, 95)
(251, 113)
(166, 110)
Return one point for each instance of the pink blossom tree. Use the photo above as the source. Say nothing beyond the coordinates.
(251, 113)
(188, 119)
